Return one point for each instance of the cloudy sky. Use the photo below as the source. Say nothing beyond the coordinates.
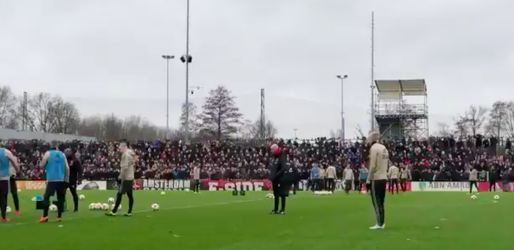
(105, 55)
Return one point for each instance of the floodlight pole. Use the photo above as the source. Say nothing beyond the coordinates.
(168, 58)
(186, 134)
(372, 71)
(342, 104)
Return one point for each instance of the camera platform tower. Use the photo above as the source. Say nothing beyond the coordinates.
(401, 108)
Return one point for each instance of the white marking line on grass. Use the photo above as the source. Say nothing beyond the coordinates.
(150, 210)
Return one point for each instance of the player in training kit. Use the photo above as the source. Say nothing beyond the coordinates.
(126, 178)
(14, 189)
(394, 174)
(473, 180)
(377, 177)
(280, 186)
(348, 177)
(75, 177)
(404, 177)
(6, 161)
(57, 173)
(196, 179)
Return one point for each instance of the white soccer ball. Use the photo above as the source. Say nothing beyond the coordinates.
(98, 206)
(53, 208)
(496, 197)
(92, 206)
(8, 209)
(186, 189)
(163, 193)
(110, 200)
(473, 197)
(112, 207)
(81, 197)
(155, 207)
(105, 206)
(19, 190)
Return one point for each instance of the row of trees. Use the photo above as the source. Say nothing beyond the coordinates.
(497, 121)
(219, 118)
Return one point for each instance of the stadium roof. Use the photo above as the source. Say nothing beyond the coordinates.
(11, 134)
(415, 87)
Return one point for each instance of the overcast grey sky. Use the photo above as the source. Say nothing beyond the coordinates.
(105, 55)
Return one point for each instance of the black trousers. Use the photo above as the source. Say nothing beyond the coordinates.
(347, 186)
(14, 193)
(393, 184)
(361, 184)
(52, 188)
(492, 186)
(471, 184)
(403, 185)
(296, 186)
(331, 185)
(72, 186)
(196, 186)
(4, 192)
(315, 184)
(280, 191)
(378, 193)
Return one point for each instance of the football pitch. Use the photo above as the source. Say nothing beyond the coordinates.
(218, 220)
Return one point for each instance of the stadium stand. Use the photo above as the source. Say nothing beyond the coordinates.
(436, 159)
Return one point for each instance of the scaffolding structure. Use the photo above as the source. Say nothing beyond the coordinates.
(396, 117)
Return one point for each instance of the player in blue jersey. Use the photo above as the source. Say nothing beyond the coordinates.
(7, 160)
(57, 173)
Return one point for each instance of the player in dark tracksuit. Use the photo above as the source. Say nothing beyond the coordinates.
(280, 188)
(14, 189)
(295, 178)
(6, 161)
(75, 177)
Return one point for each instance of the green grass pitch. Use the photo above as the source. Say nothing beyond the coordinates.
(218, 220)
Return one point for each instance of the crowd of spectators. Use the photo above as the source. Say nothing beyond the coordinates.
(435, 159)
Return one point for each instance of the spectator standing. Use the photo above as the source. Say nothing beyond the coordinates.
(348, 178)
(493, 177)
(330, 178)
(506, 179)
(363, 176)
(315, 178)
(473, 179)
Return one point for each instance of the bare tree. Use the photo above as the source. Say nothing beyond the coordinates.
(443, 130)
(496, 121)
(220, 116)
(66, 117)
(270, 131)
(333, 134)
(91, 126)
(251, 130)
(475, 118)
(7, 107)
(112, 128)
(360, 134)
(247, 130)
(194, 119)
(40, 113)
(461, 126)
(507, 121)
